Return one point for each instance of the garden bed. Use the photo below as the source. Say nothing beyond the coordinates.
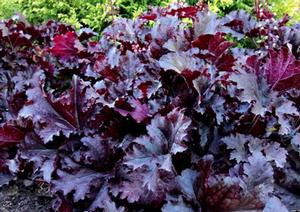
(23, 196)
(176, 110)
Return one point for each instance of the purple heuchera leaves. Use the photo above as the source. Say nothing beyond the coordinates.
(213, 48)
(282, 69)
(66, 46)
(10, 135)
(49, 122)
(139, 113)
(158, 114)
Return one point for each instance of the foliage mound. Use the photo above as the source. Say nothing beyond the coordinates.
(163, 113)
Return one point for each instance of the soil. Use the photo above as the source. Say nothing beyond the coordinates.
(24, 196)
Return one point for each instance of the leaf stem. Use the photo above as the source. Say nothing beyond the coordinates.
(253, 123)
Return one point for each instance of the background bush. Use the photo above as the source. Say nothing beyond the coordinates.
(279, 7)
(223, 7)
(97, 14)
(291, 7)
(8, 8)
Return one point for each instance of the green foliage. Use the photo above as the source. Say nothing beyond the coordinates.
(95, 14)
(133, 8)
(279, 7)
(8, 8)
(192, 2)
(223, 7)
(290, 7)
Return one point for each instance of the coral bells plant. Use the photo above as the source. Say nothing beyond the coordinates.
(177, 110)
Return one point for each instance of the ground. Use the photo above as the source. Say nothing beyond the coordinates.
(24, 196)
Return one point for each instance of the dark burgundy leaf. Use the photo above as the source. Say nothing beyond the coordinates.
(10, 135)
(80, 182)
(282, 70)
(43, 160)
(76, 104)
(240, 23)
(66, 46)
(48, 123)
(139, 113)
(216, 45)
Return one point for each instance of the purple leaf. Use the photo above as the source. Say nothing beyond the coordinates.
(186, 182)
(215, 45)
(244, 145)
(5, 179)
(66, 46)
(44, 160)
(77, 104)
(289, 199)
(48, 123)
(282, 70)
(254, 91)
(276, 153)
(80, 182)
(176, 204)
(259, 175)
(207, 23)
(238, 145)
(170, 131)
(296, 143)
(274, 204)
(10, 135)
(179, 62)
(286, 109)
(139, 113)
(240, 23)
(104, 201)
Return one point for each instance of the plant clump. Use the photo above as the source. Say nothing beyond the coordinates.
(162, 113)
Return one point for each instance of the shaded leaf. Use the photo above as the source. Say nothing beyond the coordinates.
(10, 135)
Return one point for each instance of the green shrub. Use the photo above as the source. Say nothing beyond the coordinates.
(223, 7)
(95, 14)
(8, 8)
(133, 8)
(279, 7)
(290, 7)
